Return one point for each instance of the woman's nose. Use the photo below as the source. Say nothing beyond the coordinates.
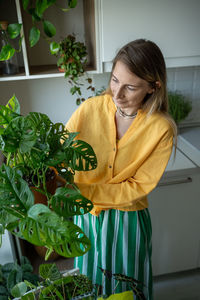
(119, 92)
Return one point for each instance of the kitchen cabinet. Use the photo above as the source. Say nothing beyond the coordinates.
(174, 208)
(37, 62)
(173, 25)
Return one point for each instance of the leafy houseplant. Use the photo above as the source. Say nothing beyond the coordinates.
(31, 144)
(12, 274)
(179, 106)
(72, 60)
(55, 285)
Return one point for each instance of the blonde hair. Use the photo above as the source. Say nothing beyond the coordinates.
(145, 59)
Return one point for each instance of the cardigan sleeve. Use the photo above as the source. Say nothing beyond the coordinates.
(124, 194)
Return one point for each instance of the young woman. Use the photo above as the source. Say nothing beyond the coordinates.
(132, 135)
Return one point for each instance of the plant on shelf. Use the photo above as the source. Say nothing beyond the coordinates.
(71, 54)
(32, 144)
(72, 59)
(179, 106)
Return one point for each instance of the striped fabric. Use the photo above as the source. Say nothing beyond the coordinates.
(121, 243)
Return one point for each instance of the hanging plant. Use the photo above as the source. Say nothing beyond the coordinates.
(72, 60)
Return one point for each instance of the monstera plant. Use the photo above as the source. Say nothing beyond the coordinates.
(32, 145)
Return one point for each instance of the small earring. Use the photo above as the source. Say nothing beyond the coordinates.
(157, 83)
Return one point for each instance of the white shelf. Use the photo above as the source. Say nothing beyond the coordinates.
(37, 62)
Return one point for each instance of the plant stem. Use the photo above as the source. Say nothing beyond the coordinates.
(8, 159)
(116, 286)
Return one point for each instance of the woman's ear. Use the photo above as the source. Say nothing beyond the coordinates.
(156, 85)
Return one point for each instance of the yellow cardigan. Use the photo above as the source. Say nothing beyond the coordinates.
(127, 170)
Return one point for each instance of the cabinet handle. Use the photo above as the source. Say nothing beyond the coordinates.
(176, 181)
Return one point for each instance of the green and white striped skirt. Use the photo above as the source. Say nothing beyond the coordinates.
(121, 243)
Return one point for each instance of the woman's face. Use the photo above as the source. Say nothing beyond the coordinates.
(128, 90)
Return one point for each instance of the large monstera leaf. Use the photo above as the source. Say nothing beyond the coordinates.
(43, 227)
(18, 135)
(15, 195)
(15, 199)
(69, 202)
(80, 156)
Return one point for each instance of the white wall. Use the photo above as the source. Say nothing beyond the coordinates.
(50, 96)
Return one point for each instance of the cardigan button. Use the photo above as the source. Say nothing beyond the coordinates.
(110, 166)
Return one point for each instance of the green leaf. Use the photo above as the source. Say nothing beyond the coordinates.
(49, 271)
(72, 3)
(7, 268)
(32, 278)
(14, 30)
(68, 202)
(27, 268)
(49, 28)
(43, 227)
(25, 4)
(80, 156)
(50, 2)
(3, 293)
(28, 296)
(35, 17)
(13, 104)
(52, 289)
(14, 191)
(54, 48)
(14, 277)
(19, 134)
(9, 112)
(19, 289)
(7, 52)
(25, 261)
(41, 6)
(34, 36)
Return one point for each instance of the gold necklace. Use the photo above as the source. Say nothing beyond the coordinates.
(124, 115)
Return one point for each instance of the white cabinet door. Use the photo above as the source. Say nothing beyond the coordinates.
(175, 214)
(173, 25)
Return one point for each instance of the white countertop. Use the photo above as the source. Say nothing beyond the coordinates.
(179, 163)
(187, 152)
(189, 144)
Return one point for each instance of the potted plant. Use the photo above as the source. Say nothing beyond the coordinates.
(55, 285)
(179, 106)
(12, 274)
(32, 144)
(72, 59)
